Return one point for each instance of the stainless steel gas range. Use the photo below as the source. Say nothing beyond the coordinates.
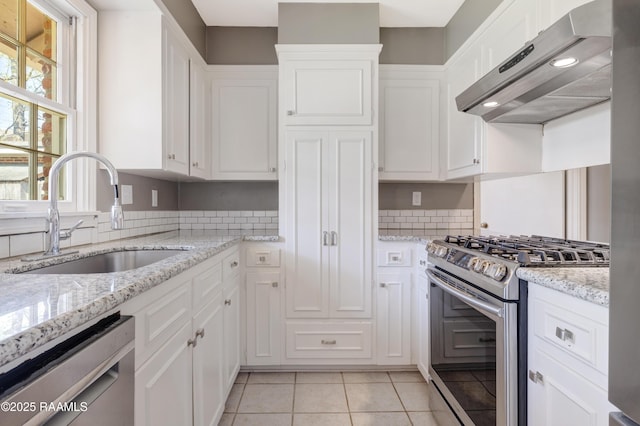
(478, 319)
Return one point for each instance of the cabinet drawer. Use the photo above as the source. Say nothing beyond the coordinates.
(230, 265)
(329, 340)
(262, 256)
(394, 256)
(575, 328)
(205, 286)
(160, 320)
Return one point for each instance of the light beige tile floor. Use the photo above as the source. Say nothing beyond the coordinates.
(333, 399)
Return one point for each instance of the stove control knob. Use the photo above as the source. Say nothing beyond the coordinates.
(481, 266)
(497, 271)
(473, 263)
(441, 251)
(431, 248)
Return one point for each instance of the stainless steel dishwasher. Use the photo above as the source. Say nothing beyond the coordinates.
(86, 380)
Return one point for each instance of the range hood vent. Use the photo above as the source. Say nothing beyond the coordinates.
(528, 88)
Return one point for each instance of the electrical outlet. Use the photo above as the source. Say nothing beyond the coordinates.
(126, 194)
(154, 198)
(416, 199)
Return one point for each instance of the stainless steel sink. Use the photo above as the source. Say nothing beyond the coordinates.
(115, 261)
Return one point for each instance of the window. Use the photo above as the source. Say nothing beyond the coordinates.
(33, 119)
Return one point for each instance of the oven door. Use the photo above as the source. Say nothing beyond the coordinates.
(474, 343)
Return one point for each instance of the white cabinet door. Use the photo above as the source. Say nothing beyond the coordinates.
(244, 126)
(199, 144)
(329, 230)
(464, 131)
(231, 295)
(423, 324)
(321, 92)
(263, 317)
(163, 385)
(208, 358)
(560, 396)
(523, 205)
(393, 297)
(175, 101)
(409, 129)
(307, 227)
(349, 199)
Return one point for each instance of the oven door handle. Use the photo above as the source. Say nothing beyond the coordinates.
(478, 304)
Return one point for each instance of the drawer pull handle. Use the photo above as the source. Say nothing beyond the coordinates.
(328, 342)
(423, 262)
(536, 377)
(227, 302)
(487, 340)
(192, 342)
(234, 263)
(565, 335)
(274, 284)
(200, 333)
(325, 238)
(262, 259)
(383, 285)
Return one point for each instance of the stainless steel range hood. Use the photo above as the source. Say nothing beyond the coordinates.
(528, 88)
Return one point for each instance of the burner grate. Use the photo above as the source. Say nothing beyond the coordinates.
(537, 250)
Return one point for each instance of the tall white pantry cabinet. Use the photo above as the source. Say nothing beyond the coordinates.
(328, 198)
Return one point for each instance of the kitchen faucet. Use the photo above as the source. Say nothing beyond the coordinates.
(53, 215)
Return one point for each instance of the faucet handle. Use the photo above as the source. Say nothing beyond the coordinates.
(67, 234)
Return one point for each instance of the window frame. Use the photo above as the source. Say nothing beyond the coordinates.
(77, 99)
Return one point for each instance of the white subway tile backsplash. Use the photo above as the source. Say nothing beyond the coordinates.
(4, 247)
(26, 243)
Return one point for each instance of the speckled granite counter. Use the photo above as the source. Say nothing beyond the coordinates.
(590, 284)
(420, 236)
(35, 309)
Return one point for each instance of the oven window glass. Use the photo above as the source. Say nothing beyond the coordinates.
(463, 354)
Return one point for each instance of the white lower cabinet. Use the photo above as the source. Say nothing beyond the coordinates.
(568, 359)
(263, 316)
(394, 317)
(422, 340)
(187, 344)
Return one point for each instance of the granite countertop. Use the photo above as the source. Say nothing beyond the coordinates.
(35, 309)
(422, 236)
(590, 284)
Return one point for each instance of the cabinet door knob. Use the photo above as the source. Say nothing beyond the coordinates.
(381, 169)
(334, 238)
(484, 225)
(325, 238)
(192, 342)
(172, 156)
(200, 333)
(227, 302)
(234, 263)
(272, 169)
(383, 285)
(423, 262)
(291, 112)
(274, 284)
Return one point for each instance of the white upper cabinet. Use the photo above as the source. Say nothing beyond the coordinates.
(145, 108)
(199, 137)
(327, 85)
(409, 123)
(473, 146)
(175, 117)
(244, 110)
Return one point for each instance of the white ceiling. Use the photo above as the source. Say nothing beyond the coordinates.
(264, 13)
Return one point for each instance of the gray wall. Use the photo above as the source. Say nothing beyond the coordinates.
(599, 203)
(190, 21)
(416, 46)
(229, 196)
(142, 186)
(330, 23)
(242, 45)
(397, 196)
(467, 19)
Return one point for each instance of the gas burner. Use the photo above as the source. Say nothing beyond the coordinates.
(536, 250)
